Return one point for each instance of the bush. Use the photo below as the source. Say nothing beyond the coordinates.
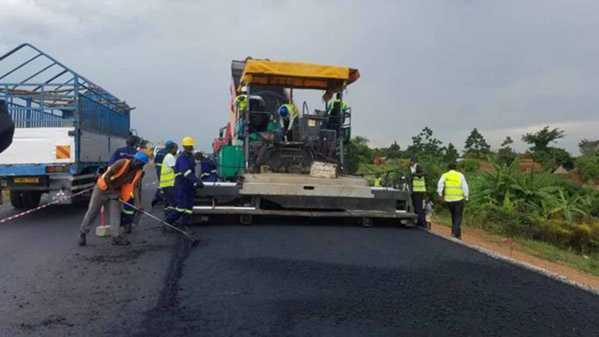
(469, 165)
(588, 166)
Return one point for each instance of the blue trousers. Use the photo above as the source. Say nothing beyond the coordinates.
(128, 212)
(170, 199)
(158, 194)
(183, 207)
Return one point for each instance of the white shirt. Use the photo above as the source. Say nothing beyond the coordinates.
(441, 186)
(169, 160)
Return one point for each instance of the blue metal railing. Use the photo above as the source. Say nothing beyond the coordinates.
(60, 97)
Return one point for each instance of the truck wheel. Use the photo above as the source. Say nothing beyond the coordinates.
(31, 199)
(16, 200)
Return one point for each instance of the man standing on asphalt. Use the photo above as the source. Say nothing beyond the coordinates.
(453, 189)
(167, 178)
(186, 183)
(158, 159)
(418, 188)
(119, 181)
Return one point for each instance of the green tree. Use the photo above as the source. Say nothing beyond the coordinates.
(476, 145)
(363, 154)
(451, 154)
(507, 142)
(540, 140)
(393, 151)
(424, 144)
(588, 166)
(361, 140)
(506, 154)
(588, 147)
(553, 157)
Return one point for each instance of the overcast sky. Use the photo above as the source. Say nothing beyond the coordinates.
(504, 67)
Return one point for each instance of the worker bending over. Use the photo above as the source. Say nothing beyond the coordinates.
(120, 181)
(287, 116)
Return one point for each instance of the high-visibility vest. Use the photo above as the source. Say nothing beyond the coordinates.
(167, 174)
(126, 189)
(418, 183)
(337, 101)
(453, 186)
(377, 182)
(241, 102)
(291, 110)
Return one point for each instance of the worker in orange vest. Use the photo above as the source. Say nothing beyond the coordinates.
(120, 181)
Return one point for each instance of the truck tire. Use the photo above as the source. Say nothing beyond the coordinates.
(16, 200)
(31, 199)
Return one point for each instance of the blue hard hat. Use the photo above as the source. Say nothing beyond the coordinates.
(168, 143)
(142, 157)
(283, 111)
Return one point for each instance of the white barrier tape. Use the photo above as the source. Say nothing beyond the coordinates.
(56, 201)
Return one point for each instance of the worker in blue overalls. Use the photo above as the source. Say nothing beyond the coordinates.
(208, 169)
(158, 159)
(186, 184)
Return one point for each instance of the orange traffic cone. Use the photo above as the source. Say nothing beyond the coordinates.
(103, 229)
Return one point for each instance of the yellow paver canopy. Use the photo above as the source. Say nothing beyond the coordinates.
(299, 76)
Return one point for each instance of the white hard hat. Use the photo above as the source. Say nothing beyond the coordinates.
(244, 88)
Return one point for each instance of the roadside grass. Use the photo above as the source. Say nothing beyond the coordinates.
(542, 250)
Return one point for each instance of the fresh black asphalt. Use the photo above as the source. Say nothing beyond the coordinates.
(274, 278)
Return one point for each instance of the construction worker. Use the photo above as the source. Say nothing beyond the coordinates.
(377, 181)
(453, 189)
(335, 103)
(167, 178)
(242, 101)
(335, 115)
(418, 187)
(119, 181)
(208, 169)
(186, 183)
(126, 152)
(158, 159)
(287, 116)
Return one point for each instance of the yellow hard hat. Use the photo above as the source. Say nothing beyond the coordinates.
(188, 141)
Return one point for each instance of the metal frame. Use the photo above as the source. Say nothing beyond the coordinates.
(42, 92)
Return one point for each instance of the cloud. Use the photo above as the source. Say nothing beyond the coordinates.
(450, 65)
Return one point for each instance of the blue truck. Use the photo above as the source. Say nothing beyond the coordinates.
(66, 127)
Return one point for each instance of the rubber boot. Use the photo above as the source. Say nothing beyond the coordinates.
(81, 239)
(120, 241)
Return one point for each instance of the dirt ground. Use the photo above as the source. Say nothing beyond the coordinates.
(506, 247)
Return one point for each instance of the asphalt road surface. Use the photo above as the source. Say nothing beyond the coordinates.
(276, 278)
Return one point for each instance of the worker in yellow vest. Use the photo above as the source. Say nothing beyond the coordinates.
(287, 115)
(378, 180)
(167, 177)
(241, 101)
(453, 189)
(417, 185)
